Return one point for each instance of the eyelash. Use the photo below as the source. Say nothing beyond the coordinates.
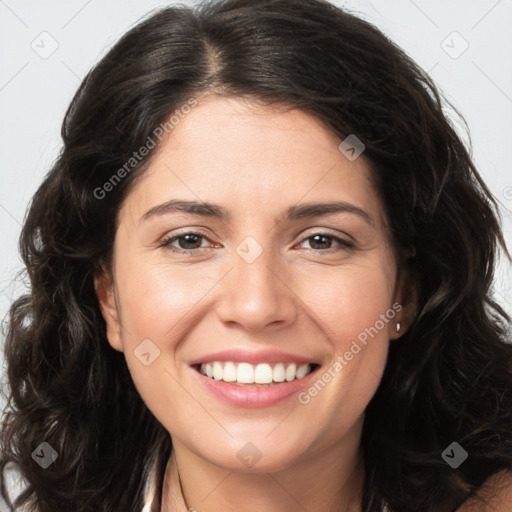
(166, 243)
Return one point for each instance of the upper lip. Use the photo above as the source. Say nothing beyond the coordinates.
(253, 357)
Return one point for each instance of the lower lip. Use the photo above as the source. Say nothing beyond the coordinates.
(254, 396)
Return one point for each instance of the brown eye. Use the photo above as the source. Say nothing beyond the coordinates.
(323, 242)
(320, 241)
(187, 242)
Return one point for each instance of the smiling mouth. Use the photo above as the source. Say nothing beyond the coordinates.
(255, 375)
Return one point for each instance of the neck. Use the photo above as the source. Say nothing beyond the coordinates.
(326, 478)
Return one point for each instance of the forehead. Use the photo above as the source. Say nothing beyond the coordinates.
(231, 151)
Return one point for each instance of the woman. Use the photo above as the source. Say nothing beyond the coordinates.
(261, 272)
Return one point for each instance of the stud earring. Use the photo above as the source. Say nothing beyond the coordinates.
(398, 327)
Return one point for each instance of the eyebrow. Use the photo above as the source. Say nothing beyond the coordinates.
(295, 212)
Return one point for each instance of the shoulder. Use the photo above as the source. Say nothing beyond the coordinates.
(495, 495)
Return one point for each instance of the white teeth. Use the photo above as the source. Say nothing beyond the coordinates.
(218, 371)
(259, 374)
(245, 373)
(302, 370)
(279, 373)
(229, 372)
(263, 374)
(291, 371)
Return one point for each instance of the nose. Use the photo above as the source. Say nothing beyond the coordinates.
(258, 294)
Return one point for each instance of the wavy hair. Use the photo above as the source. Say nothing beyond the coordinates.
(448, 378)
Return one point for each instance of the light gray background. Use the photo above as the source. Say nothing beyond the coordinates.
(36, 87)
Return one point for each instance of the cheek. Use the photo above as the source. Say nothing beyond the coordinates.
(351, 310)
(160, 303)
(349, 301)
(155, 305)
(157, 298)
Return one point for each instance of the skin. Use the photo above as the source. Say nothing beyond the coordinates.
(494, 496)
(255, 162)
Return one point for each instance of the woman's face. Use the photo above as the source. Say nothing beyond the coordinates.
(245, 274)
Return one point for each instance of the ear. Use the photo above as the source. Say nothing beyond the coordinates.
(105, 292)
(406, 302)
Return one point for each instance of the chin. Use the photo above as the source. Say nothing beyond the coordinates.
(262, 456)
